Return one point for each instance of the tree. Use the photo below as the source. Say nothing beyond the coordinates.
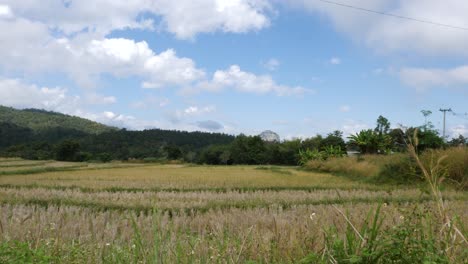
(173, 152)
(429, 139)
(426, 114)
(460, 141)
(68, 150)
(383, 126)
(366, 140)
(313, 143)
(334, 139)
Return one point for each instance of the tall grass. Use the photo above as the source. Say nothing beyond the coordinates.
(423, 236)
(400, 168)
(451, 237)
(365, 166)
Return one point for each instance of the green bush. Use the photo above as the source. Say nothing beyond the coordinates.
(400, 171)
(20, 252)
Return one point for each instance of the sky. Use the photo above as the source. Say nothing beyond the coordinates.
(297, 67)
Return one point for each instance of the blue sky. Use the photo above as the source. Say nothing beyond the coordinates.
(297, 67)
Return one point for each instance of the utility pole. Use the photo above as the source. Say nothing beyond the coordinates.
(445, 111)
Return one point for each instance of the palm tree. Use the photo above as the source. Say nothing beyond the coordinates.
(366, 140)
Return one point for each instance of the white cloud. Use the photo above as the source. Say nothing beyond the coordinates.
(70, 36)
(97, 99)
(272, 64)
(96, 16)
(335, 61)
(351, 127)
(5, 12)
(124, 57)
(184, 18)
(345, 108)
(423, 78)
(388, 34)
(26, 46)
(461, 129)
(195, 110)
(189, 113)
(248, 82)
(15, 93)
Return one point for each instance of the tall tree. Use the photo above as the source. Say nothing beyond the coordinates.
(383, 126)
(427, 124)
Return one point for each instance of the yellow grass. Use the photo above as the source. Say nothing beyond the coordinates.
(195, 214)
(183, 177)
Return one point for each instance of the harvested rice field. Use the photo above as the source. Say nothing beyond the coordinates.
(58, 212)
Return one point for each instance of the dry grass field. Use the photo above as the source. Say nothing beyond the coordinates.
(57, 212)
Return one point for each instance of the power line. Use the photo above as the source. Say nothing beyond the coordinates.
(394, 15)
(460, 115)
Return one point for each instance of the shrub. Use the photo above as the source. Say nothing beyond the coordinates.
(454, 163)
(400, 170)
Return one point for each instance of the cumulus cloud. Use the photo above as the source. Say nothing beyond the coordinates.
(423, 78)
(27, 47)
(389, 34)
(15, 93)
(177, 116)
(54, 36)
(248, 82)
(184, 18)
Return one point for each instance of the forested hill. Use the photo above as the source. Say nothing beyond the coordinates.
(39, 134)
(41, 120)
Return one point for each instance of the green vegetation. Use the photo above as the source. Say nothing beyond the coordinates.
(398, 168)
(41, 120)
(42, 135)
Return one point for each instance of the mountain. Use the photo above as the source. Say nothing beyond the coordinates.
(41, 120)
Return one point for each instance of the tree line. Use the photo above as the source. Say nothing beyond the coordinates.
(205, 148)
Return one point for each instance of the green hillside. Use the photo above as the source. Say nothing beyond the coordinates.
(39, 120)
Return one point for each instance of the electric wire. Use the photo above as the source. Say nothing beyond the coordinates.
(394, 15)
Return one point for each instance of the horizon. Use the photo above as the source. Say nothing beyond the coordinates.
(298, 68)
